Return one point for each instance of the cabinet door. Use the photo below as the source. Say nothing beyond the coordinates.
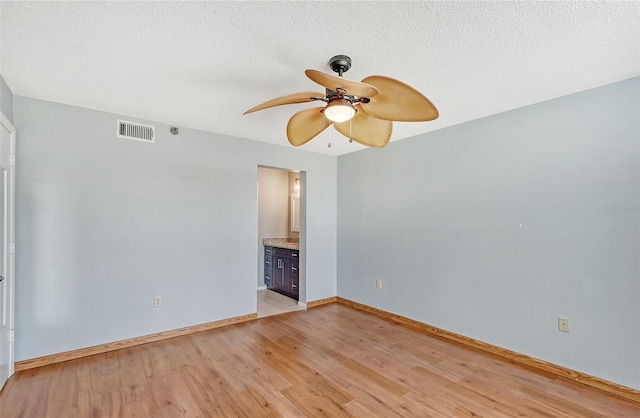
(294, 212)
(286, 276)
(279, 273)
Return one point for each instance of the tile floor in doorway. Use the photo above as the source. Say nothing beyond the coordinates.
(272, 303)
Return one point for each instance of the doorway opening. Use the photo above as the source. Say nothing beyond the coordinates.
(281, 274)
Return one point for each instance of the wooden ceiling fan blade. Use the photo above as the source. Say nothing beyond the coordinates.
(307, 96)
(306, 125)
(398, 101)
(332, 82)
(366, 129)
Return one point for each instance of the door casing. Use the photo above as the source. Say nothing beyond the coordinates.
(7, 162)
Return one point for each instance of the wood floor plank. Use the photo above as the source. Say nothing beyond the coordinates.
(294, 369)
(358, 409)
(316, 406)
(373, 396)
(332, 361)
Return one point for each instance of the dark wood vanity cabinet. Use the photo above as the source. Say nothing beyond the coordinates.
(281, 268)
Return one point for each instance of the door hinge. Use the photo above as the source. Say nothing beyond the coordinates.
(12, 335)
(12, 160)
(12, 248)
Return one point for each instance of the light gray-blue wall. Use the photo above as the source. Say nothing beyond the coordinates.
(6, 99)
(104, 224)
(494, 228)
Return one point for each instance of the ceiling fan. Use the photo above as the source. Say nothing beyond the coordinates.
(362, 111)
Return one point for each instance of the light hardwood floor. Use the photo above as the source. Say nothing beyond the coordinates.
(332, 361)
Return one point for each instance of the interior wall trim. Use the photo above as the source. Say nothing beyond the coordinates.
(321, 302)
(131, 342)
(501, 353)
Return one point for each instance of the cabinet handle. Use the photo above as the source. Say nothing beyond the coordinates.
(293, 268)
(294, 255)
(294, 286)
(268, 262)
(269, 250)
(280, 263)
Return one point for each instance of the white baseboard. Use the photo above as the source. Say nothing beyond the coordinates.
(262, 287)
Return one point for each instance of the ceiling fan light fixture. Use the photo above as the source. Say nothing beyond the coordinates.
(339, 110)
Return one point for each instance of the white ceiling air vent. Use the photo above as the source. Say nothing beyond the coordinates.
(135, 131)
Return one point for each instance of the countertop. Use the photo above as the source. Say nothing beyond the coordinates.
(288, 243)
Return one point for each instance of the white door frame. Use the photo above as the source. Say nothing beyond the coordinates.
(10, 262)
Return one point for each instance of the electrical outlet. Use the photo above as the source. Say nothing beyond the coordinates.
(379, 284)
(563, 324)
(157, 301)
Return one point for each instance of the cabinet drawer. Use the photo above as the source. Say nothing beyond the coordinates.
(281, 252)
(286, 253)
(268, 263)
(295, 283)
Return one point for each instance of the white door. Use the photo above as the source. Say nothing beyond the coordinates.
(7, 246)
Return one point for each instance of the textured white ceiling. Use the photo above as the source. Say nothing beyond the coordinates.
(202, 64)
